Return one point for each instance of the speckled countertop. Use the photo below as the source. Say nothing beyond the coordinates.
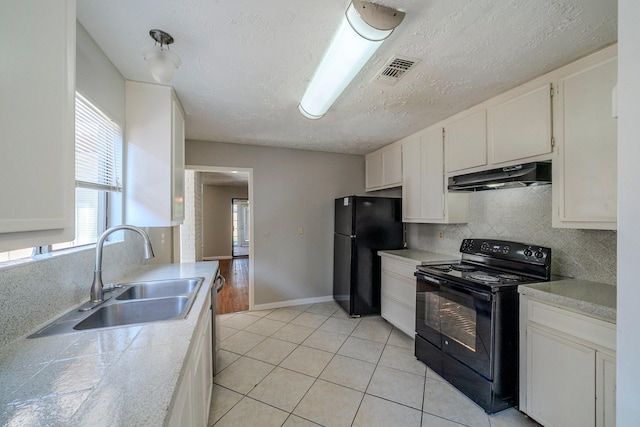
(122, 376)
(592, 298)
(416, 256)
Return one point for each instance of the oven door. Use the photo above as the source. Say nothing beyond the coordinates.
(458, 320)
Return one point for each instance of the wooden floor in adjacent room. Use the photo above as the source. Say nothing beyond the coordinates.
(234, 296)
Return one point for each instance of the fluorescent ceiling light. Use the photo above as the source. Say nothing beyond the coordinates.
(363, 29)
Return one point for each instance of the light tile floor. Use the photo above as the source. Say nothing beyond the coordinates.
(312, 365)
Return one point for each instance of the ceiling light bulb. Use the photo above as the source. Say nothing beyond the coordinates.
(162, 63)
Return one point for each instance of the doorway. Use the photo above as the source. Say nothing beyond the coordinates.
(240, 228)
(237, 263)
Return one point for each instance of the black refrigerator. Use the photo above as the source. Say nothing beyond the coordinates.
(363, 226)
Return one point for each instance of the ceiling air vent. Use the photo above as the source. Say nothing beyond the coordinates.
(395, 69)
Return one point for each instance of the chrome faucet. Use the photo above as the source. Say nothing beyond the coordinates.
(97, 288)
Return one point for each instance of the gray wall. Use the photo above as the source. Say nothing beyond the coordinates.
(216, 212)
(291, 189)
(524, 214)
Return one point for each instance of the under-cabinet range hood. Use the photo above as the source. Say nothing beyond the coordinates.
(524, 175)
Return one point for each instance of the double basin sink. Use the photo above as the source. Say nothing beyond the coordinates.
(131, 303)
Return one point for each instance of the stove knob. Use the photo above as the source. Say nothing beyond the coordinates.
(528, 252)
(505, 250)
(539, 254)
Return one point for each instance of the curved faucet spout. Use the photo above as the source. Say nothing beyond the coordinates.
(97, 292)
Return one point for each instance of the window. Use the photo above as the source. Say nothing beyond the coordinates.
(98, 173)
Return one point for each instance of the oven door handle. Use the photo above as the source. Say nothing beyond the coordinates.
(466, 291)
(455, 288)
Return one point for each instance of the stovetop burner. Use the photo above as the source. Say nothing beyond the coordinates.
(463, 267)
(485, 278)
(511, 277)
(443, 267)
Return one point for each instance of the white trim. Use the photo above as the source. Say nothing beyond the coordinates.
(200, 168)
(216, 258)
(292, 302)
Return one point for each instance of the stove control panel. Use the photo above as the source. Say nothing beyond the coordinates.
(532, 254)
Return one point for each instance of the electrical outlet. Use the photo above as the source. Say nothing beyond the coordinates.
(441, 234)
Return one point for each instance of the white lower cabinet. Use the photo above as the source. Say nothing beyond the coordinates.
(191, 407)
(398, 294)
(567, 363)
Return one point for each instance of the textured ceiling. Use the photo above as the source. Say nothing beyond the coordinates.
(247, 63)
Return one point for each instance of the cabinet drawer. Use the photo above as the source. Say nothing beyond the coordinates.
(398, 314)
(580, 326)
(400, 268)
(400, 288)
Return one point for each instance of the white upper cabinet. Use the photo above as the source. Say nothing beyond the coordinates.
(466, 142)
(384, 168)
(424, 195)
(585, 165)
(37, 116)
(155, 156)
(520, 128)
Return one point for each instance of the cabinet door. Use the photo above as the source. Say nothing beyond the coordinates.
(605, 390)
(432, 159)
(177, 193)
(392, 166)
(411, 180)
(586, 171)
(521, 127)
(553, 400)
(373, 169)
(37, 120)
(466, 141)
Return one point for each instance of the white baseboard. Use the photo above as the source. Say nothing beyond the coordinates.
(216, 258)
(292, 302)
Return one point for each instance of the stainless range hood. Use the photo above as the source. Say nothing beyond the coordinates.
(524, 175)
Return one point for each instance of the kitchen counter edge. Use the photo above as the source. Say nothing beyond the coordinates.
(591, 298)
(416, 257)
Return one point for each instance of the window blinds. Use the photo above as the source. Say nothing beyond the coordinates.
(98, 149)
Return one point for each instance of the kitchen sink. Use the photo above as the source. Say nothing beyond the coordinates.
(129, 304)
(130, 312)
(160, 289)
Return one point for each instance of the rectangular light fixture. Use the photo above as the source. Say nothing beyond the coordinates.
(363, 29)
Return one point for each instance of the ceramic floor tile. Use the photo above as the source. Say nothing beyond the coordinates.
(241, 342)
(293, 333)
(295, 421)
(400, 339)
(325, 340)
(358, 348)
(243, 374)
(329, 404)
(226, 332)
(252, 413)
(340, 326)
(432, 375)
(309, 361)
(282, 388)
(258, 313)
(340, 314)
(283, 314)
(443, 400)
(271, 351)
(265, 327)
(225, 358)
(222, 400)
(301, 307)
(376, 412)
(402, 359)
(239, 321)
(352, 373)
(429, 420)
(324, 308)
(397, 386)
(511, 418)
(309, 320)
(373, 329)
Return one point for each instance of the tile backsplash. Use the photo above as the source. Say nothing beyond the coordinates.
(524, 215)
